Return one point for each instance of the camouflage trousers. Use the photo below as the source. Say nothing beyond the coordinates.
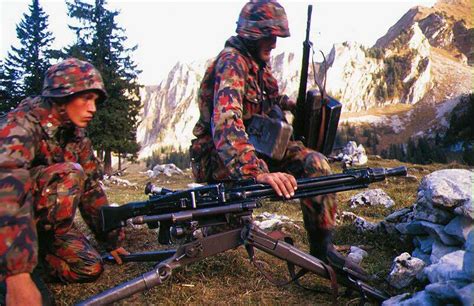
(319, 213)
(64, 251)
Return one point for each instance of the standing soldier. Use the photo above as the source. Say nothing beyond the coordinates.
(47, 170)
(238, 85)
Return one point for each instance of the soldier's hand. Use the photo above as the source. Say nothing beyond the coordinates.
(116, 254)
(284, 184)
(21, 290)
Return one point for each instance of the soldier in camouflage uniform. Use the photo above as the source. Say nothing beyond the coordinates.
(236, 86)
(47, 170)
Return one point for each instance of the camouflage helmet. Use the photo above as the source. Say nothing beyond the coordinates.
(264, 18)
(72, 76)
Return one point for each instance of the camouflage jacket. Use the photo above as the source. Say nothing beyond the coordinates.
(230, 93)
(32, 136)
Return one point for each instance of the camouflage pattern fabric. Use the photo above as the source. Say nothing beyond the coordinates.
(69, 257)
(66, 253)
(72, 76)
(259, 19)
(229, 95)
(47, 168)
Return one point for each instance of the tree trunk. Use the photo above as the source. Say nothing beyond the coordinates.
(119, 162)
(108, 162)
(100, 155)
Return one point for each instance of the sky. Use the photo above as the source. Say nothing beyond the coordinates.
(170, 31)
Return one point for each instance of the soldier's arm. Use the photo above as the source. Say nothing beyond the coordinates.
(228, 130)
(94, 198)
(18, 243)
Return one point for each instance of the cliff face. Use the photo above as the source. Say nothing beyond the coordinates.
(423, 62)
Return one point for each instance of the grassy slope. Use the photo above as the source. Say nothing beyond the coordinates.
(229, 278)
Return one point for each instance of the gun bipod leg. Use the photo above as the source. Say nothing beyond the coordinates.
(292, 255)
(144, 282)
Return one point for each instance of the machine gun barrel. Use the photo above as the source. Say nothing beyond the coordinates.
(216, 199)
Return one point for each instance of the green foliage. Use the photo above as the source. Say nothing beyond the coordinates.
(345, 133)
(395, 69)
(461, 128)
(373, 52)
(419, 151)
(22, 72)
(169, 155)
(402, 39)
(9, 97)
(381, 92)
(365, 135)
(468, 155)
(461, 124)
(101, 41)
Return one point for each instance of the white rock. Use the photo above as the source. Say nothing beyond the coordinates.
(363, 225)
(371, 197)
(468, 264)
(449, 267)
(447, 291)
(167, 169)
(437, 231)
(426, 211)
(357, 254)
(400, 215)
(459, 227)
(438, 250)
(405, 268)
(449, 188)
(466, 295)
(396, 300)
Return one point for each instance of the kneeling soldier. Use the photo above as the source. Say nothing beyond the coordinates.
(47, 170)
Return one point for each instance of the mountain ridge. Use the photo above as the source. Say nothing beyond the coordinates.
(421, 63)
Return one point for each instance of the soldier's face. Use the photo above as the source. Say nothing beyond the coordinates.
(265, 47)
(81, 108)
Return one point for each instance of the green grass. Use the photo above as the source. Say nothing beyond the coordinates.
(229, 278)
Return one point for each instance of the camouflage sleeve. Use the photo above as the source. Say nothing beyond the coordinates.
(227, 125)
(94, 198)
(18, 239)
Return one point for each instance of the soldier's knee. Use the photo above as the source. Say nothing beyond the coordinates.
(88, 270)
(316, 164)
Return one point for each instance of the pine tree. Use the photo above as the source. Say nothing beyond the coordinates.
(8, 87)
(101, 41)
(24, 68)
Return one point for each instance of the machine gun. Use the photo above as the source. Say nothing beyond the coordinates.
(186, 215)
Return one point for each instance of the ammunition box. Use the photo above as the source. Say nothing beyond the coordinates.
(269, 136)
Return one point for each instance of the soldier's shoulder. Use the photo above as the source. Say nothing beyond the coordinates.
(233, 57)
(21, 115)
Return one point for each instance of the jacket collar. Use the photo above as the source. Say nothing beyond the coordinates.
(52, 117)
(237, 43)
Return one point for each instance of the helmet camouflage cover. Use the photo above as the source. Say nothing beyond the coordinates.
(259, 19)
(72, 76)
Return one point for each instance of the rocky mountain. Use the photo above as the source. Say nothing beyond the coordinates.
(407, 83)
